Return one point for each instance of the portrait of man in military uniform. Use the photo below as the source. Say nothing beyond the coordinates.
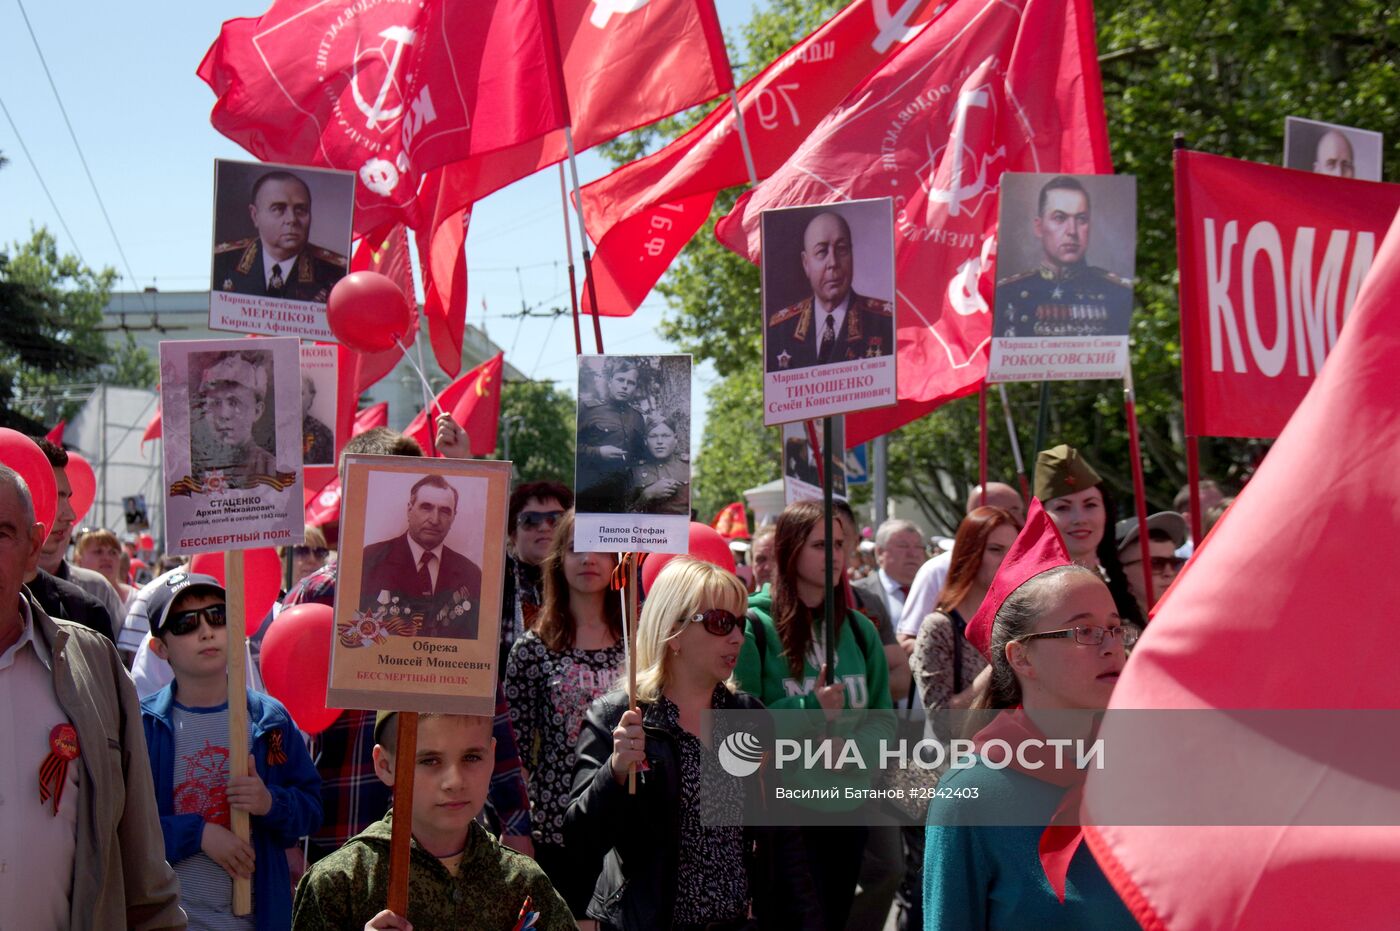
(228, 433)
(1332, 149)
(1062, 295)
(415, 574)
(661, 482)
(834, 323)
(278, 259)
(611, 438)
(317, 439)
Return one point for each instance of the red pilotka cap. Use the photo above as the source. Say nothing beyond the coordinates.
(1038, 548)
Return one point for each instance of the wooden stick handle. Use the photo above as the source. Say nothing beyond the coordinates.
(402, 833)
(237, 709)
(630, 592)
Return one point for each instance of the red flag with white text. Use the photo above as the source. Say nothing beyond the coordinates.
(989, 86)
(474, 401)
(387, 90)
(644, 213)
(1271, 263)
(1330, 479)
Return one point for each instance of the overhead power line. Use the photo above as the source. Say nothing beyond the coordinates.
(35, 165)
(81, 157)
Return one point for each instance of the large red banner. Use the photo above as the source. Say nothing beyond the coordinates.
(989, 86)
(644, 213)
(1271, 262)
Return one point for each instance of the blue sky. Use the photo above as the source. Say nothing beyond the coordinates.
(125, 73)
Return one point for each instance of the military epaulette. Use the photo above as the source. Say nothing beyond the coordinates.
(233, 246)
(1109, 276)
(593, 402)
(326, 255)
(787, 313)
(876, 306)
(1021, 277)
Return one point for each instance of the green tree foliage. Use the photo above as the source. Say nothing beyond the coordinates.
(540, 420)
(1224, 73)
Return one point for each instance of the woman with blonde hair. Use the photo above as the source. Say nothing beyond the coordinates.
(100, 551)
(674, 854)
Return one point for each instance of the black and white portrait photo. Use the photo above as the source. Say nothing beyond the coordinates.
(828, 309)
(633, 442)
(1332, 149)
(422, 562)
(802, 473)
(281, 242)
(231, 419)
(1066, 250)
(318, 383)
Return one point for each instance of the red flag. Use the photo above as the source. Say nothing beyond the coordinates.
(152, 431)
(56, 434)
(643, 214)
(1271, 261)
(386, 251)
(474, 401)
(731, 522)
(376, 415)
(1314, 644)
(989, 86)
(323, 506)
(442, 257)
(387, 90)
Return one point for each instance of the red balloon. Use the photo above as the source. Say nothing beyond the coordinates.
(84, 483)
(262, 580)
(21, 453)
(367, 312)
(705, 544)
(146, 543)
(296, 664)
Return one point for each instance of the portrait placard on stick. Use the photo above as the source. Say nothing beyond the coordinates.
(1066, 252)
(281, 238)
(418, 591)
(318, 384)
(1332, 149)
(231, 415)
(801, 475)
(632, 455)
(828, 309)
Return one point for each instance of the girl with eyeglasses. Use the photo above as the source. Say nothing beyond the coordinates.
(572, 654)
(675, 855)
(1056, 644)
(784, 663)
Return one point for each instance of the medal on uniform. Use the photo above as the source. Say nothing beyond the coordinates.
(53, 772)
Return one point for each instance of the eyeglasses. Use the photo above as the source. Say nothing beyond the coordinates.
(1160, 564)
(533, 519)
(301, 552)
(187, 622)
(719, 621)
(1088, 636)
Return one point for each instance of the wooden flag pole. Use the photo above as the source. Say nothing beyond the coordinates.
(982, 444)
(569, 251)
(829, 586)
(630, 596)
(1139, 487)
(237, 709)
(405, 756)
(1015, 446)
(583, 242)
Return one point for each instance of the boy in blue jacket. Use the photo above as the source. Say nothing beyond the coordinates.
(186, 727)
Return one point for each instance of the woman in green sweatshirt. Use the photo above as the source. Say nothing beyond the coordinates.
(783, 662)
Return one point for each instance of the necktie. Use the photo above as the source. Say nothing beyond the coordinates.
(905, 590)
(828, 337)
(275, 283)
(425, 577)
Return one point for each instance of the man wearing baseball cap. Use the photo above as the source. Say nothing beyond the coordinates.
(1166, 532)
(230, 401)
(187, 739)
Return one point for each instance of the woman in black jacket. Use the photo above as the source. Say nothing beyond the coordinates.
(666, 865)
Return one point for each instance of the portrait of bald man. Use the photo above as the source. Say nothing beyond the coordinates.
(833, 323)
(1329, 149)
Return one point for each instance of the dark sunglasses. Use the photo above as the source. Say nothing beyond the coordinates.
(187, 622)
(533, 519)
(1161, 564)
(719, 621)
(301, 552)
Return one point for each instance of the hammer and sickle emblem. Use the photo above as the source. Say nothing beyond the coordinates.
(957, 191)
(376, 115)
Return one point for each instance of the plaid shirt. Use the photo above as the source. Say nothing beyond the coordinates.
(352, 796)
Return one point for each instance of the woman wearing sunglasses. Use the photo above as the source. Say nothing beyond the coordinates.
(784, 663)
(1055, 643)
(667, 865)
(572, 654)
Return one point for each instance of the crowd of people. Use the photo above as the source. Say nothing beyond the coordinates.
(116, 696)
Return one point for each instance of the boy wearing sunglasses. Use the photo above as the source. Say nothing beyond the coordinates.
(186, 727)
